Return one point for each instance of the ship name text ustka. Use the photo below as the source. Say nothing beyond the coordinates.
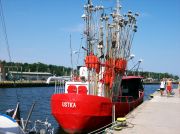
(69, 104)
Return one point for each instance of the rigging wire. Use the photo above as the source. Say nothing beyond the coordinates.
(4, 30)
(7, 43)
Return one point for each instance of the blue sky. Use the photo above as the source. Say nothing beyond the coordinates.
(39, 30)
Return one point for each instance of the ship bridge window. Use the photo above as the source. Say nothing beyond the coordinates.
(125, 89)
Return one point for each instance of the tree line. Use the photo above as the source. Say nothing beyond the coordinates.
(154, 75)
(61, 70)
(36, 67)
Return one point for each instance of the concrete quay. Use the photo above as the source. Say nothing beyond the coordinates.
(19, 84)
(160, 115)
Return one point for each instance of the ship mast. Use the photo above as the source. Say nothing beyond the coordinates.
(117, 26)
(117, 76)
(89, 7)
(107, 54)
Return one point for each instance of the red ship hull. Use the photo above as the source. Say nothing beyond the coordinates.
(78, 113)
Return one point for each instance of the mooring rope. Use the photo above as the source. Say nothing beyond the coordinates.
(101, 128)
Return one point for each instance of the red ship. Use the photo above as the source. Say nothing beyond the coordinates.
(77, 111)
(101, 91)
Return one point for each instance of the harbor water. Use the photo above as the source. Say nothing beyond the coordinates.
(41, 96)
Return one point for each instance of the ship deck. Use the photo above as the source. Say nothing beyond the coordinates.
(160, 115)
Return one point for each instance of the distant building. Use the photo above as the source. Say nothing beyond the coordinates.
(148, 79)
(30, 75)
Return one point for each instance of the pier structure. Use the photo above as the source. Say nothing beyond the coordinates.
(160, 115)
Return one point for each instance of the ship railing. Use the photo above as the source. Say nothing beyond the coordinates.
(59, 87)
(123, 98)
(59, 83)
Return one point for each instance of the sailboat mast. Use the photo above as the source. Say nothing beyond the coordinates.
(72, 71)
